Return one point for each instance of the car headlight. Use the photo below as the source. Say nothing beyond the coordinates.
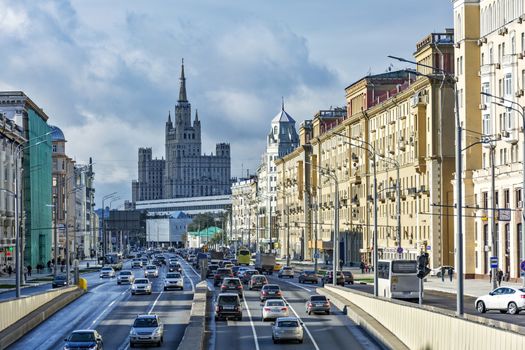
(157, 331)
(93, 347)
(132, 332)
(134, 287)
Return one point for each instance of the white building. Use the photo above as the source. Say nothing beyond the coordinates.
(244, 219)
(166, 229)
(191, 206)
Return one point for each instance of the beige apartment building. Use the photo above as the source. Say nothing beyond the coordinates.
(490, 48)
(406, 121)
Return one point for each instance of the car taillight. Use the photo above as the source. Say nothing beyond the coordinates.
(239, 287)
(278, 293)
(217, 308)
(326, 304)
(267, 309)
(223, 287)
(522, 296)
(284, 308)
(265, 293)
(217, 276)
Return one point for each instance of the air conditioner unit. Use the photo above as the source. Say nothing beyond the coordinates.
(520, 19)
(482, 41)
(479, 73)
(412, 191)
(457, 45)
(503, 31)
(422, 189)
(482, 106)
(520, 204)
(497, 65)
(505, 133)
(519, 93)
(521, 55)
(391, 151)
(402, 147)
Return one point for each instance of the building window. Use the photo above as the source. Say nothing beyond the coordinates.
(508, 84)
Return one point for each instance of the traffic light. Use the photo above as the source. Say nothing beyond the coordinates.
(422, 265)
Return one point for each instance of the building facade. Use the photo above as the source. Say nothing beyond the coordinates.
(244, 212)
(490, 51)
(186, 172)
(167, 230)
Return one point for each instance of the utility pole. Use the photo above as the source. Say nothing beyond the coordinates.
(494, 248)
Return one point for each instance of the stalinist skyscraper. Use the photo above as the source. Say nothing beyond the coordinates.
(185, 172)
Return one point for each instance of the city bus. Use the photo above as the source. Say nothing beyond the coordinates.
(397, 279)
(243, 256)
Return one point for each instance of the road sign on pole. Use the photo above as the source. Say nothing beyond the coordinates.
(493, 262)
(522, 265)
(399, 250)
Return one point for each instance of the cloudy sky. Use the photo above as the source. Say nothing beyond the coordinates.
(106, 72)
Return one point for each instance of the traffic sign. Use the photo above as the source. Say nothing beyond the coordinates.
(316, 255)
(522, 265)
(399, 250)
(493, 262)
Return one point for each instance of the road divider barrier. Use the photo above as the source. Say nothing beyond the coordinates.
(402, 325)
(19, 316)
(195, 335)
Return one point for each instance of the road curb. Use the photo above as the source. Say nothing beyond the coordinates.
(23, 326)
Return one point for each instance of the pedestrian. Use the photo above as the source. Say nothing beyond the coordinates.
(499, 277)
(340, 264)
(450, 273)
(362, 266)
(25, 272)
(29, 268)
(10, 270)
(49, 265)
(443, 274)
(490, 276)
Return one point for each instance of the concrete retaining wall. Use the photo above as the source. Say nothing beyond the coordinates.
(195, 336)
(20, 327)
(432, 328)
(13, 310)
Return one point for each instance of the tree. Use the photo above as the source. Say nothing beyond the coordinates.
(200, 222)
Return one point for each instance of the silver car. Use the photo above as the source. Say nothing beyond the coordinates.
(107, 272)
(125, 276)
(147, 329)
(286, 271)
(274, 308)
(141, 286)
(151, 271)
(173, 280)
(286, 329)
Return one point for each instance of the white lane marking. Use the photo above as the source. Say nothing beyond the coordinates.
(106, 310)
(252, 325)
(298, 285)
(304, 324)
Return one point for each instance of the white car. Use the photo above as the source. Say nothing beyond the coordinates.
(151, 270)
(125, 276)
(173, 280)
(107, 272)
(274, 308)
(241, 270)
(141, 286)
(504, 299)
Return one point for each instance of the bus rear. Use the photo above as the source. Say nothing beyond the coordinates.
(404, 283)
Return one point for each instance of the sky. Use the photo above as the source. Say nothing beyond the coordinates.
(107, 72)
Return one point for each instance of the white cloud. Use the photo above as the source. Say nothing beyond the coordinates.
(13, 20)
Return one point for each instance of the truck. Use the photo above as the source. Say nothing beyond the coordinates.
(265, 262)
(214, 255)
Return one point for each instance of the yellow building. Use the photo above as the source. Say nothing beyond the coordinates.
(406, 120)
(490, 47)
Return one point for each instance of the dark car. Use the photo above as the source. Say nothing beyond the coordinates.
(247, 275)
(328, 278)
(228, 305)
(59, 281)
(84, 339)
(235, 270)
(174, 267)
(220, 274)
(270, 291)
(212, 268)
(317, 303)
(308, 276)
(349, 277)
(232, 285)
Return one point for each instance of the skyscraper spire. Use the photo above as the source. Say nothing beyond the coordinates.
(196, 115)
(282, 103)
(182, 91)
(169, 117)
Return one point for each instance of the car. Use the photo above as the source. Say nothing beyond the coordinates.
(161, 259)
(286, 271)
(228, 305)
(235, 270)
(229, 266)
(438, 270)
(84, 339)
(151, 270)
(107, 272)
(59, 281)
(174, 267)
(144, 261)
(136, 264)
(146, 329)
(287, 329)
(328, 279)
(173, 280)
(505, 299)
(349, 277)
(212, 268)
(270, 291)
(274, 308)
(317, 303)
(257, 282)
(125, 276)
(232, 285)
(240, 270)
(247, 275)
(277, 266)
(308, 276)
(220, 274)
(141, 286)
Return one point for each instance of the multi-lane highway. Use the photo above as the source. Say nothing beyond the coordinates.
(335, 331)
(111, 309)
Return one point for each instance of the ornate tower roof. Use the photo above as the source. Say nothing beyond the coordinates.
(182, 91)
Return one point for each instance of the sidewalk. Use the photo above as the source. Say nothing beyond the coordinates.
(471, 287)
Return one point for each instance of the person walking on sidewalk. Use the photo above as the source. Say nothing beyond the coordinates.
(362, 266)
(499, 276)
(443, 273)
(450, 273)
(10, 270)
(29, 269)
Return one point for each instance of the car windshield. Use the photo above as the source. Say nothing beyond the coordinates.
(224, 271)
(271, 287)
(107, 269)
(141, 281)
(125, 273)
(145, 322)
(287, 268)
(287, 324)
(172, 275)
(58, 278)
(82, 337)
(309, 272)
(151, 268)
(275, 303)
(318, 298)
(232, 282)
(228, 300)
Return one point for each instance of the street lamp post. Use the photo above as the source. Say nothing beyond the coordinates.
(104, 240)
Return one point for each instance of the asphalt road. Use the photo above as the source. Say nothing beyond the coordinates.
(111, 310)
(448, 301)
(335, 331)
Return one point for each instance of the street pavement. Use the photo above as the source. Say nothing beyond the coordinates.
(334, 331)
(111, 309)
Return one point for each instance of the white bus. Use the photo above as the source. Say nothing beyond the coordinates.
(398, 279)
